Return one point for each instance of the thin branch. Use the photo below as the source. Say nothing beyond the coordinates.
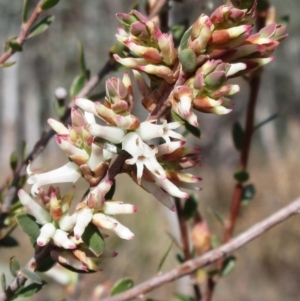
(210, 257)
(25, 30)
(32, 265)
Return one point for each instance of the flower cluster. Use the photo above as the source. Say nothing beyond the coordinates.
(213, 50)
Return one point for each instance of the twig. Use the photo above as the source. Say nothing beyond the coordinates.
(210, 257)
(25, 30)
(32, 265)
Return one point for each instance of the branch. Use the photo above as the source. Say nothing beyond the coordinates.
(210, 257)
(25, 30)
(32, 265)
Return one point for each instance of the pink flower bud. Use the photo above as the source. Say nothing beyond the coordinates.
(200, 237)
(67, 222)
(58, 127)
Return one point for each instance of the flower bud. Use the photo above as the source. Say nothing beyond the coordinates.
(200, 237)
(84, 217)
(46, 232)
(60, 239)
(113, 208)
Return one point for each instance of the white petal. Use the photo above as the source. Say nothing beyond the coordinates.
(46, 232)
(84, 216)
(60, 238)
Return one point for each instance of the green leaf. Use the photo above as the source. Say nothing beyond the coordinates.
(165, 256)
(59, 109)
(6, 65)
(3, 282)
(271, 118)
(228, 265)
(184, 40)
(15, 46)
(8, 241)
(248, 194)
(82, 60)
(48, 4)
(190, 128)
(25, 11)
(190, 207)
(177, 32)
(183, 297)
(109, 195)
(46, 264)
(14, 266)
(180, 257)
(31, 289)
(188, 60)
(41, 26)
(13, 160)
(77, 85)
(215, 213)
(93, 239)
(29, 226)
(121, 285)
(241, 176)
(262, 5)
(32, 276)
(238, 135)
(215, 241)
(97, 96)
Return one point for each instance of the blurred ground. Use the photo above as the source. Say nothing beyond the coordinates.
(267, 269)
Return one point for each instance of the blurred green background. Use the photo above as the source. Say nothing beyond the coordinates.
(268, 268)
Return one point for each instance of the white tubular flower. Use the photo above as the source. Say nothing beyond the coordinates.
(60, 239)
(171, 189)
(90, 118)
(168, 127)
(86, 105)
(103, 221)
(122, 231)
(169, 147)
(42, 215)
(235, 68)
(118, 208)
(58, 127)
(142, 154)
(46, 232)
(159, 194)
(109, 133)
(84, 216)
(149, 130)
(67, 222)
(66, 173)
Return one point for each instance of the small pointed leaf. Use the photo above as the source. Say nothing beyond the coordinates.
(188, 60)
(165, 257)
(269, 119)
(82, 59)
(184, 40)
(41, 26)
(14, 266)
(31, 289)
(15, 46)
(228, 265)
(32, 276)
(77, 85)
(180, 257)
(3, 282)
(25, 11)
(121, 285)
(93, 239)
(215, 241)
(29, 226)
(183, 297)
(241, 176)
(7, 65)
(48, 4)
(248, 194)
(190, 207)
(13, 161)
(238, 135)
